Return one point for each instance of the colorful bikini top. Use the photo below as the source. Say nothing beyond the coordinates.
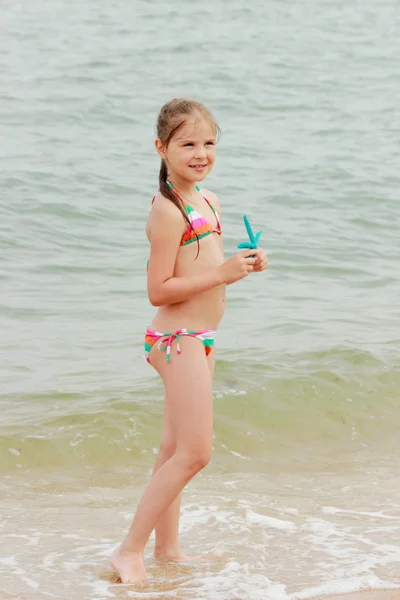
(200, 226)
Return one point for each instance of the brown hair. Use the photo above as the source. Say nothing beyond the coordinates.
(171, 118)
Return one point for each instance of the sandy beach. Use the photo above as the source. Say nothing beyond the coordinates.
(301, 500)
(368, 595)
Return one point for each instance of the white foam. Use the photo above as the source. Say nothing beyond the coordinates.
(332, 511)
(191, 518)
(101, 589)
(127, 588)
(49, 559)
(237, 582)
(75, 442)
(234, 392)
(367, 582)
(91, 548)
(30, 582)
(231, 484)
(290, 511)
(252, 517)
(14, 452)
(239, 455)
(71, 566)
(320, 526)
(9, 561)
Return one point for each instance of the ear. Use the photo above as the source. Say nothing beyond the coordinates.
(160, 148)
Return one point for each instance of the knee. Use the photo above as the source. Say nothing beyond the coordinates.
(167, 448)
(193, 462)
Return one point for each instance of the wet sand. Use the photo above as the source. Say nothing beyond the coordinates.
(370, 595)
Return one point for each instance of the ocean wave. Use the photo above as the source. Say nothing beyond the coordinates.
(331, 404)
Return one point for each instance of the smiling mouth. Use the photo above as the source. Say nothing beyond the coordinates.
(197, 166)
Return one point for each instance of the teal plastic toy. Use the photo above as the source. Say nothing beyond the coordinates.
(253, 243)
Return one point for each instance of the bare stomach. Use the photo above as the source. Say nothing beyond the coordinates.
(205, 310)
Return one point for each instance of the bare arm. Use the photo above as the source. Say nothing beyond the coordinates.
(166, 226)
(178, 289)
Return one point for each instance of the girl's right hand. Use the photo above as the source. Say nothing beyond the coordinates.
(238, 266)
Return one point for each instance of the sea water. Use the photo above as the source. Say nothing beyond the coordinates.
(301, 497)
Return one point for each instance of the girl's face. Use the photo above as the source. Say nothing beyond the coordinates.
(190, 154)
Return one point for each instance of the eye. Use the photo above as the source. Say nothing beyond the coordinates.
(188, 144)
(210, 143)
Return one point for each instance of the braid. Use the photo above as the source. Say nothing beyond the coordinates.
(167, 192)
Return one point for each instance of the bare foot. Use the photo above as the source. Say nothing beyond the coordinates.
(129, 566)
(175, 556)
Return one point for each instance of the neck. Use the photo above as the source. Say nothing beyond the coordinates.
(185, 187)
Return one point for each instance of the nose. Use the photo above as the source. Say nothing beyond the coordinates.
(201, 152)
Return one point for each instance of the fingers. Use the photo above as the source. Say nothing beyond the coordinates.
(249, 252)
(261, 261)
(254, 260)
(262, 266)
(261, 256)
(248, 267)
(250, 260)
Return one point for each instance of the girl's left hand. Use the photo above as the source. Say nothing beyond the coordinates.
(261, 261)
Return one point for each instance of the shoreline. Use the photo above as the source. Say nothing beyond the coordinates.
(393, 594)
(384, 594)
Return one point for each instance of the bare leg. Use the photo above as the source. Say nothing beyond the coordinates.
(167, 529)
(188, 389)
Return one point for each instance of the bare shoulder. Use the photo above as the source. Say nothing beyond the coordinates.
(164, 216)
(165, 212)
(163, 207)
(213, 198)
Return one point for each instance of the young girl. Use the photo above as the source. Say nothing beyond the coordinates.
(186, 280)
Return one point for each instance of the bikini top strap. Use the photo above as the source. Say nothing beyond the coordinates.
(212, 208)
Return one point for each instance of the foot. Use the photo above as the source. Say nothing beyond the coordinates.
(174, 555)
(178, 557)
(129, 566)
